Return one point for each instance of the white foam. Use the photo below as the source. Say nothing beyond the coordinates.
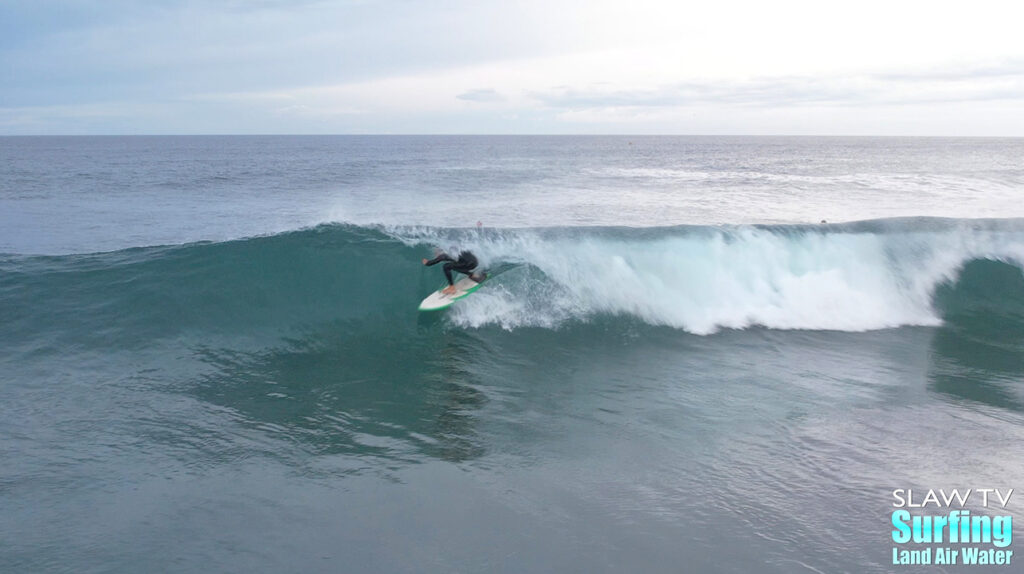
(707, 280)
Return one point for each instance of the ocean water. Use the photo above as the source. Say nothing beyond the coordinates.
(694, 354)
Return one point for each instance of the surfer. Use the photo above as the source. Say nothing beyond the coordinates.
(465, 264)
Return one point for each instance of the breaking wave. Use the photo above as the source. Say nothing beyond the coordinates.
(852, 277)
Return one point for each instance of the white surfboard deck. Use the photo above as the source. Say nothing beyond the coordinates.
(438, 300)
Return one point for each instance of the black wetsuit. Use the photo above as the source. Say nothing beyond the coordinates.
(466, 263)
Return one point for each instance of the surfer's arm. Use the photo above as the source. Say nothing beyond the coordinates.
(438, 259)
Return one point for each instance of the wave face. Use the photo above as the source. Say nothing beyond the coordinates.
(852, 277)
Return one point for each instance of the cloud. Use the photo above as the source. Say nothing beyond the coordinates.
(980, 84)
(78, 52)
(256, 65)
(484, 96)
(1009, 68)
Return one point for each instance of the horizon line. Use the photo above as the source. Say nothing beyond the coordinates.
(444, 134)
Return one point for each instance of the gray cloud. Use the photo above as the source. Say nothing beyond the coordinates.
(765, 92)
(483, 95)
(983, 83)
(1008, 69)
(69, 51)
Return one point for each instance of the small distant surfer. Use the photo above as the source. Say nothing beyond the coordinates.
(464, 263)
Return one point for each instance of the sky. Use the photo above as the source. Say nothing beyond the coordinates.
(893, 67)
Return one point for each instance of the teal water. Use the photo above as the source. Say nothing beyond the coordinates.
(702, 398)
(273, 404)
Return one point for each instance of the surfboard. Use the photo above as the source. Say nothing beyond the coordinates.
(438, 300)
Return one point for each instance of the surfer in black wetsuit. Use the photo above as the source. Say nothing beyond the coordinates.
(465, 264)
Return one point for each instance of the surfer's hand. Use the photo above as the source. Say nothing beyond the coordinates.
(424, 260)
